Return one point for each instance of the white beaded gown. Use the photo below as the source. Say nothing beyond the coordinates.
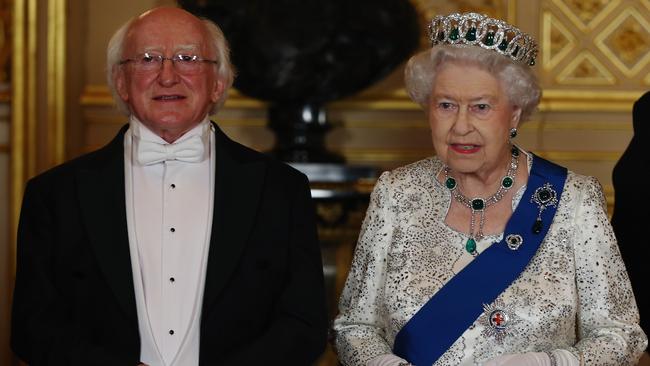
(574, 294)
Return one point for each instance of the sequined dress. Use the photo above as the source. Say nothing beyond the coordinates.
(573, 295)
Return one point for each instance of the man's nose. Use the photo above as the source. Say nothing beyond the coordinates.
(168, 74)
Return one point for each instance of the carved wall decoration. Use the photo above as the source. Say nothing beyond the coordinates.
(586, 14)
(586, 70)
(560, 40)
(626, 42)
(595, 43)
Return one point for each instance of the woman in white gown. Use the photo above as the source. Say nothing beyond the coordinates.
(484, 254)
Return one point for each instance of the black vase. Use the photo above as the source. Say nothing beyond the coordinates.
(298, 55)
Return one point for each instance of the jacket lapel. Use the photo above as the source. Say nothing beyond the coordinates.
(238, 186)
(102, 200)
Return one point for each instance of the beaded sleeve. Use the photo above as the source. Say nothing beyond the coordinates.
(360, 326)
(607, 316)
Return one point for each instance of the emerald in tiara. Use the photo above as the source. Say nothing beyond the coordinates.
(485, 32)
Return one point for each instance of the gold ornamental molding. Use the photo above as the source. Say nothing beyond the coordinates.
(96, 95)
(26, 127)
(560, 100)
(385, 155)
(585, 69)
(597, 156)
(557, 41)
(56, 73)
(410, 124)
(575, 126)
(22, 160)
(553, 100)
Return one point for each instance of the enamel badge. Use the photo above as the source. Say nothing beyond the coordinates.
(497, 320)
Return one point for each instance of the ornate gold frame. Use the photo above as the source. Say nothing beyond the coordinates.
(56, 76)
(25, 126)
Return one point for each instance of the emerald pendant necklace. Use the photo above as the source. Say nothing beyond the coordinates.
(478, 205)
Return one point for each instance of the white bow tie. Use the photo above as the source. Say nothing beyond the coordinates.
(190, 150)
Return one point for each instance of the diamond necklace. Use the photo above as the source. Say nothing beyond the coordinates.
(479, 204)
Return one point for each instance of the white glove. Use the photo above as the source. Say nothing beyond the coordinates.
(388, 359)
(521, 359)
(561, 358)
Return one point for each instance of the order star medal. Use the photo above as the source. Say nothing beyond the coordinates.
(497, 320)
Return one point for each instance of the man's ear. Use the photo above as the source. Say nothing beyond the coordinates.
(217, 90)
(119, 80)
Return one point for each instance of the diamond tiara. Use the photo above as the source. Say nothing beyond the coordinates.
(488, 33)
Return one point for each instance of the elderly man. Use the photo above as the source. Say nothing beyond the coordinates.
(172, 245)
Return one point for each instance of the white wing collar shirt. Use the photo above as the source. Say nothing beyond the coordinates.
(169, 203)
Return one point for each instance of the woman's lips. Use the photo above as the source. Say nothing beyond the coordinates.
(465, 148)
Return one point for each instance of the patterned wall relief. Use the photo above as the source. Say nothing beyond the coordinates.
(586, 14)
(597, 43)
(625, 41)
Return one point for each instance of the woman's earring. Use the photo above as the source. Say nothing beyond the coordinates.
(513, 134)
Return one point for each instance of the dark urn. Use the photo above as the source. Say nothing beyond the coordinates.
(298, 55)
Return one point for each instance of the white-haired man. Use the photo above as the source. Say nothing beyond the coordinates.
(172, 245)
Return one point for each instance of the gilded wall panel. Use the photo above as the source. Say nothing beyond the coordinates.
(586, 14)
(585, 69)
(611, 49)
(560, 40)
(625, 41)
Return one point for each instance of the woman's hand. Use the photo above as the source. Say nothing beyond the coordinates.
(388, 360)
(521, 359)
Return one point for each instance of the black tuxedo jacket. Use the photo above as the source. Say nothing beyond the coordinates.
(74, 301)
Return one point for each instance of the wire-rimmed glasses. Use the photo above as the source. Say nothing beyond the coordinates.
(183, 63)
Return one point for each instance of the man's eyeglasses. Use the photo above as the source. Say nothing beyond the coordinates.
(183, 63)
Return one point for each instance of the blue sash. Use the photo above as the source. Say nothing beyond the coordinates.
(457, 305)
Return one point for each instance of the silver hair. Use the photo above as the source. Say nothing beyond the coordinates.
(518, 81)
(225, 70)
